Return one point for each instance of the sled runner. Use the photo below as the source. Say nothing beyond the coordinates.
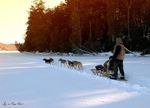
(105, 74)
(100, 73)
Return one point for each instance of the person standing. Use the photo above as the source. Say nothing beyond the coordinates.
(118, 57)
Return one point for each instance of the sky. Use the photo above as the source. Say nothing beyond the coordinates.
(13, 18)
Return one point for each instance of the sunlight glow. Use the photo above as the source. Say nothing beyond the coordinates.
(52, 3)
(101, 97)
(13, 18)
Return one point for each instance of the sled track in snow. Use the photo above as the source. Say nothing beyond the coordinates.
(87, 73)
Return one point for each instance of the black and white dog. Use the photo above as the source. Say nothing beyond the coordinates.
(63, 61)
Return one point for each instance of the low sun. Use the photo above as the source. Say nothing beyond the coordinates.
(53, 3)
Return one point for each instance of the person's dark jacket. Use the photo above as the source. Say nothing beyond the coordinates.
(117, 51)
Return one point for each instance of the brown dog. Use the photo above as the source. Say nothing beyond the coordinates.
(75, 65)
(70, 64)
(78, 65)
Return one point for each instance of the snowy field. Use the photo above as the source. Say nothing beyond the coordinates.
(27, 82)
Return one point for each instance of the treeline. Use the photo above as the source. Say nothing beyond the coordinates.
(87, 25)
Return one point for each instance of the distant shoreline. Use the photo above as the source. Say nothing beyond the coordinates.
(7, 47)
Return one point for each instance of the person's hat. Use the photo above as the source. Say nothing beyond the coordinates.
(119, 40)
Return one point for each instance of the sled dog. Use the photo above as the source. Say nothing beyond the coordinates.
(49, 61)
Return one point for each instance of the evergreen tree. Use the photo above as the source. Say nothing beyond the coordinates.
(75, 36)
(88, 24)
(36, 37)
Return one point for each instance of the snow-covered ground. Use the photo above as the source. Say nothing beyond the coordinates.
(27, 82)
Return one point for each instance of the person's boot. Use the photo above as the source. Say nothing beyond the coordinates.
(122, 78)
(113, 77)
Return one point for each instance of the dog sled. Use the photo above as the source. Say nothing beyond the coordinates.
(105, 70)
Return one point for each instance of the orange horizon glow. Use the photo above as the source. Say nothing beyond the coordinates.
(13, 18)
